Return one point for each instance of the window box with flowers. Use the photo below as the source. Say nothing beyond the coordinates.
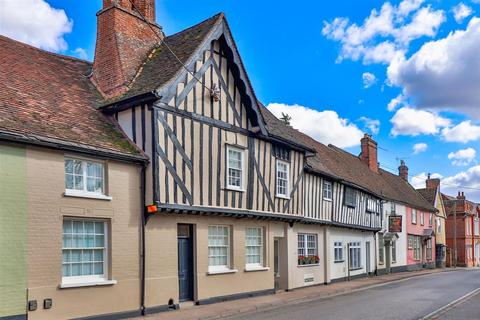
(308, 260)
(307, 249)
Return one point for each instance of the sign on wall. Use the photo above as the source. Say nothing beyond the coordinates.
(395, 224)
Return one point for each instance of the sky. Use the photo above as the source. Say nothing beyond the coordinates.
(406, 72)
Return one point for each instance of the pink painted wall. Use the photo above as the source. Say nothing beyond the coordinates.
(417, 229)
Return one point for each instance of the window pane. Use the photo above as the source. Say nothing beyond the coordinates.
(69, 166)
(80, 234)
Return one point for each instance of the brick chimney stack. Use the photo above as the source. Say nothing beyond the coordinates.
(432, 183)
(403, 170)
(369, 152)
(124, 41)
(461, 195)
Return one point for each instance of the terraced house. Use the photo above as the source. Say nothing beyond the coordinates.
(154, 176)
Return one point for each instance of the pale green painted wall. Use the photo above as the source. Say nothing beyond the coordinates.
(13, 230)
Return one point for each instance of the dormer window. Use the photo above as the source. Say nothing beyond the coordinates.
(84, 178)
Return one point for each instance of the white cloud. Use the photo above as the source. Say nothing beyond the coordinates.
(35, 22)
(369, 79)
(464, 181)
(395, 102)
(418, 181)
(324, 126)
(462, 157)
(384, 34)
(419, 147)
(461, 11)
(412, 122)
(463, 132)
(81, 53)
(371, 124)
(443, 74)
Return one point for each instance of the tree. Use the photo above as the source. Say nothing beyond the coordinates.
(286, 118)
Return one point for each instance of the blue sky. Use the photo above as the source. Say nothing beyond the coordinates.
(335, 77)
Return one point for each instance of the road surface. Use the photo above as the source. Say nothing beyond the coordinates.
(413, 298)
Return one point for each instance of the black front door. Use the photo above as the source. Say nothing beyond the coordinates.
(185, 262)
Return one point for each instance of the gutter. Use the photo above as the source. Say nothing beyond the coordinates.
(120, 105)
(69, 146)
(142, 235)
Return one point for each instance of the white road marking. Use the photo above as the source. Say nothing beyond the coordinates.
(451, 304)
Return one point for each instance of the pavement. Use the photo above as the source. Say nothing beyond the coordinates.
(281, 304)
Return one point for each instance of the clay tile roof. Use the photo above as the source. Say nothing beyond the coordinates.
(48, 97)
(161, 65)
(339, 164)
(428, 194)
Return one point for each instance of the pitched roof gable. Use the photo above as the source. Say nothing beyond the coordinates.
(48, 98)
(162, 70)
(429, 195)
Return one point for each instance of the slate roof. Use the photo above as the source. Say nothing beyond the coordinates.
(161, 65)
(46, 97)
(336, 163)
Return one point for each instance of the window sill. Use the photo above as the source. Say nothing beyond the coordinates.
(87, 284)
(70, 193)
(308, 265)
(339, 261)
(253, 269)
(235, 189)
(355, 269)
(327, 199)
(282, 197)
(226, 271)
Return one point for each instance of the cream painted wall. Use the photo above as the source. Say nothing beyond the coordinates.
(47, 206)
(162, 258)
(297, 274)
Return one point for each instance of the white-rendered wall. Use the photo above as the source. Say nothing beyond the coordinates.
(345, 236)
(401, 242)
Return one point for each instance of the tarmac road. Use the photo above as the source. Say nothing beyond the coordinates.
(409, 299)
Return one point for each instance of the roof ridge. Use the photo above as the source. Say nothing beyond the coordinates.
(217, 16)
(55, 54)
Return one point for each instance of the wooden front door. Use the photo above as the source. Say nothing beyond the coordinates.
(185, 262)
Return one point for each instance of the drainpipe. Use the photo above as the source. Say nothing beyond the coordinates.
(142, 246)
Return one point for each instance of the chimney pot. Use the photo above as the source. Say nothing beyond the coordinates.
(403, 170)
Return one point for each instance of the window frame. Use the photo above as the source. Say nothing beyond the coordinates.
(430, 220)
(306, 248)
(228, 266)
(356, 248)
(261, 263)
(88, 279)
(414, 216)
(429, 251)
(338, 252)
(371, 202)
(346, 201)
(417, 248)
(84, 192)
(410, 241)
(242, 170)
(422, 218)
(287, 187)
(328, 191)
(381, 248)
